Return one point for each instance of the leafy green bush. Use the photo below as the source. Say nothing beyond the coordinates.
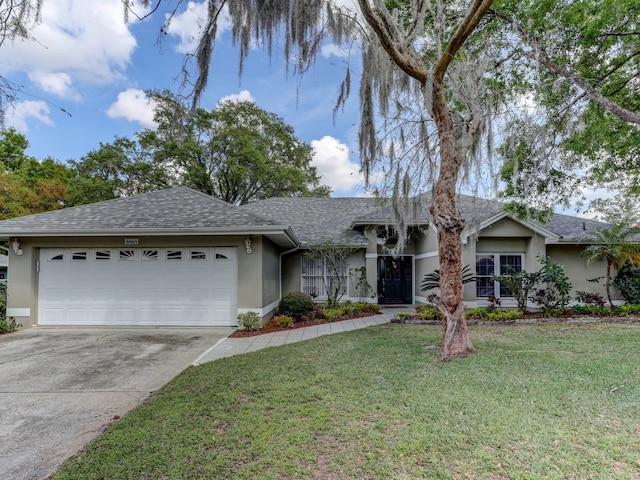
(428, 312)
(592, 310)
(281, 321)
(629, 308)
(249, 321)
(333, 313)
(495, 315)
(3, 302)
(9, 325)
(296, 305)
(627, 281)
(556, 293)
(368, 307)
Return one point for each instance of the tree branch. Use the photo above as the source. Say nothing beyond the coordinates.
(390, 38)
(465, 28)
(542, 57)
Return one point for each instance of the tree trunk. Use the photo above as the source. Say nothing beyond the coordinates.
(607, 282)
(455, 340)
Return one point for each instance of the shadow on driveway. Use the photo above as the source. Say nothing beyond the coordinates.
(61, 388)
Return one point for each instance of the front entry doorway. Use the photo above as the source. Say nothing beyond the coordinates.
(395, 280)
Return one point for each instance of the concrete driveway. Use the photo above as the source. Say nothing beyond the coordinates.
(61, 388)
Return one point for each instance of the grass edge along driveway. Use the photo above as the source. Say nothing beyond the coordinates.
(538, 401)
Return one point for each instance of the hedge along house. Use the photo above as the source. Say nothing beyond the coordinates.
(179, 257)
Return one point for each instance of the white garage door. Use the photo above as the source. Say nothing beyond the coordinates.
(138, 286)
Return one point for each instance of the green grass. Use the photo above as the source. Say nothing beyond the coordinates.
(543, 401)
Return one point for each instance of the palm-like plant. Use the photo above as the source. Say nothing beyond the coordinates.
(613, 247)
(431, 280)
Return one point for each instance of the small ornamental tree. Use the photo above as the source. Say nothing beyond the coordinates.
(520, 284)
(614, 248)
(333, 259)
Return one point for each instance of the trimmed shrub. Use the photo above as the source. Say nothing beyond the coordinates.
(428, 312)
(629, 308)
(296, 305)
(597, 310)
(249, 321)
(627, 281)
(368, 307)
(484, 313)
(281, 321)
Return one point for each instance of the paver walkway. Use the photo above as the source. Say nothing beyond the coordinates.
(228, 347)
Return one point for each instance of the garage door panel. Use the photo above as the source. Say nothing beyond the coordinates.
(170, 286)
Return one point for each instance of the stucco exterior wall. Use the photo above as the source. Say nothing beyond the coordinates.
(270, 275)
(426, 261)
(292, 272)
(22, 292)
(574, 266)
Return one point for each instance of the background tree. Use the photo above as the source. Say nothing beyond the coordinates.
(237, 152)
(27, 185)
(118, 169)
(585, 99)
(614, 248)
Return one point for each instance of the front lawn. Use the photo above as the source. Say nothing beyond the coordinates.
(538, 401)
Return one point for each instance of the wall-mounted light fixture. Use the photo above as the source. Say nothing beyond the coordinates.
(16, 246)
(247, 244)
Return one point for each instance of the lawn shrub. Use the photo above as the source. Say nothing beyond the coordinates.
(332, 313)
(629, 308)
(597, 310)
(7, 325)
(590, 298)
(493, 315)
(3, 302)
(281, 321)
(368, 307)
(627, 281)
(296, 305)
(249, 321)
(428, 312)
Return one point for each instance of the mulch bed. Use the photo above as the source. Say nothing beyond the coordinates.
(303, 323)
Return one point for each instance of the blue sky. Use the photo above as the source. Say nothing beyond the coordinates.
(86, 60)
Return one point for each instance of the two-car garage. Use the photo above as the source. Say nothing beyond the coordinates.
(189, 286)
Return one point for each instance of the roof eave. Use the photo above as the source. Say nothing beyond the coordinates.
(271, 230)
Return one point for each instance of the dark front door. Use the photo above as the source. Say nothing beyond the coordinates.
(395, 283)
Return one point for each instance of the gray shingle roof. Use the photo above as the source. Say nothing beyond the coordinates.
(315, 220)
(318, 219)
(174, 209)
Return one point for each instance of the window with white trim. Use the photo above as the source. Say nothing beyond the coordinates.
(489, 265)
(317, 275)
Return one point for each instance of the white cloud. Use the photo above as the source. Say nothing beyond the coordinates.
(243, 96)
(331, 159)
(86, 41)
(59, 84)
(18, 114)
(188, 25)
(135, 106)
(333, 50)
